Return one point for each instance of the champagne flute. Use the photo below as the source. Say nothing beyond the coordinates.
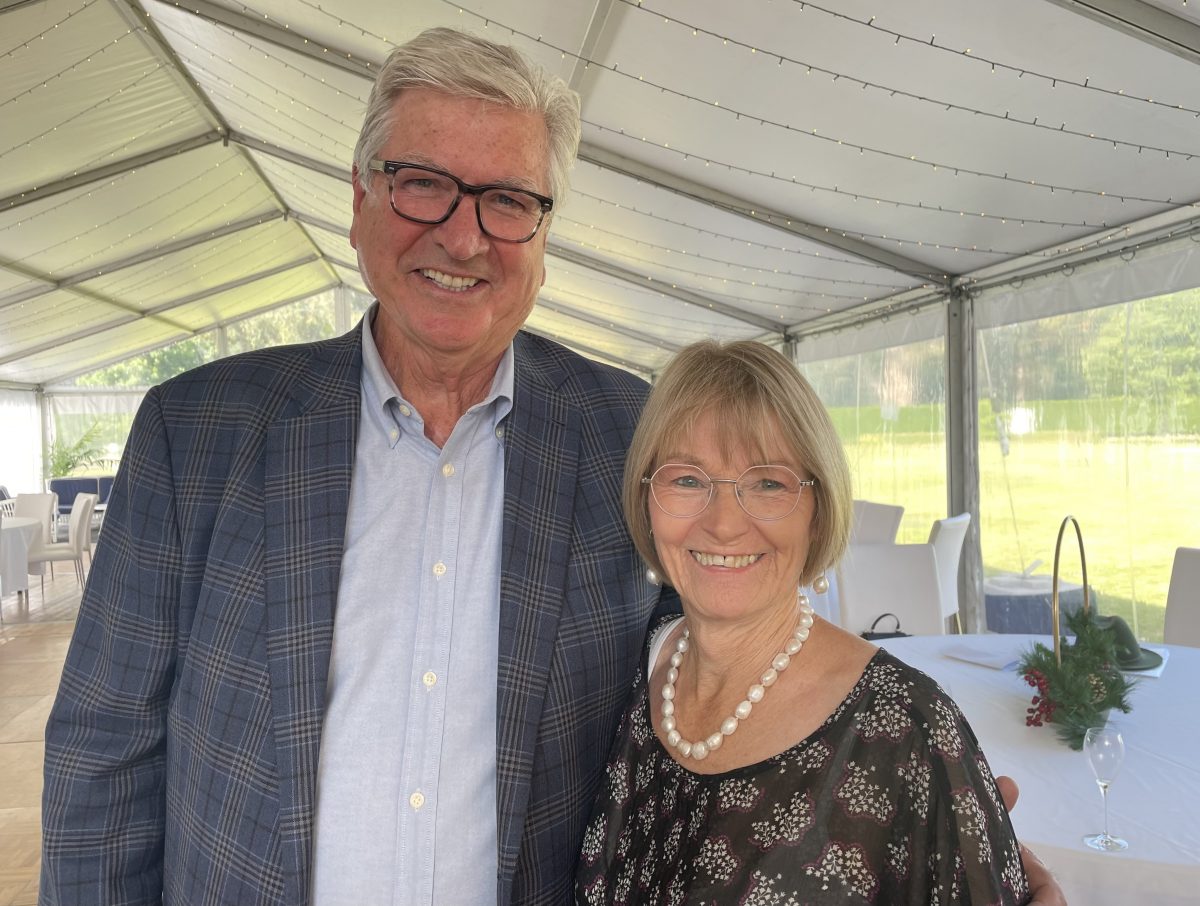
(1105, 751)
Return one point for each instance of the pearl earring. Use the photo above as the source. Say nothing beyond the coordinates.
(820, 584)
(652, 577)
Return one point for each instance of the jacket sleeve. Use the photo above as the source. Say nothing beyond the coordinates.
(103, 802)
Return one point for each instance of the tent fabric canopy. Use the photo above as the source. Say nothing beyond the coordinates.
(774, 169)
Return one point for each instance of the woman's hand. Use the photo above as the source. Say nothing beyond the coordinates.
(1042, 884)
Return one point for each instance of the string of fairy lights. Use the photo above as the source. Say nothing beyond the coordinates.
(780, 60)
(41, 35)
(198, 214)
(195, 62)
(826, 256)
(679, 308)
(942, 103)
(88, 57)
(996, 65)
(698, 275)
(841, 141)
(692, 256)
(92, 109)
(255, 246)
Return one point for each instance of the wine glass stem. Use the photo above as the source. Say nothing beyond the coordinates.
(1104, 796)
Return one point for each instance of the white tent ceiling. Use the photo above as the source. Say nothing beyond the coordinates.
(761, 169)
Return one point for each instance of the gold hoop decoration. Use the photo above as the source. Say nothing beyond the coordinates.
(1087, 598)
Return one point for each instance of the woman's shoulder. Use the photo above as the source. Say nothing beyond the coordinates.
(895, 701)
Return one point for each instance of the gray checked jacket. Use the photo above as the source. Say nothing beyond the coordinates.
(181, 752)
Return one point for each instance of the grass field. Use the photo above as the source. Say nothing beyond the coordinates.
(1135, 501)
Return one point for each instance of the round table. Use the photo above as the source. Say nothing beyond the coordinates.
(17, 533)
(1154, 802)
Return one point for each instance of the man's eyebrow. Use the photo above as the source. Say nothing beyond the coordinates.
(508, 182)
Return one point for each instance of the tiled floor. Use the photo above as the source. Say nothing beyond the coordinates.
(33, 643)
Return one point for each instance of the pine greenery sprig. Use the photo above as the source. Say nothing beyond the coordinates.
(1088, 684)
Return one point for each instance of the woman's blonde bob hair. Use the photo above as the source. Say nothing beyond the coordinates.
(758, 398)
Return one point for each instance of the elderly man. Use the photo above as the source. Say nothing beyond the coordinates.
(364, 611)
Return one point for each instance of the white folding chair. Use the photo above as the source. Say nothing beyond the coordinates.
(1182, 625)
(947, 537)
(78, 525)
(874, 579)
(875, 523)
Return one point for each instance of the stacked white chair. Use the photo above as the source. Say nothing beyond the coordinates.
(78, 528)
(1182, 626)
(902, 579)
(875, 523)
(947, 536)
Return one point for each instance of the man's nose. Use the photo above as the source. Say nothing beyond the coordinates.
(460, 234)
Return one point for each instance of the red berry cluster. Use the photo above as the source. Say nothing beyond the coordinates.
(1042, 710)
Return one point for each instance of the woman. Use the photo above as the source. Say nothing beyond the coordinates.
(772, 757)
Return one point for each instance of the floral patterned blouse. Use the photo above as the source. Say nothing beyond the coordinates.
(889, 801)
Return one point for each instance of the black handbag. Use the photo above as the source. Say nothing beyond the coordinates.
(874, 634)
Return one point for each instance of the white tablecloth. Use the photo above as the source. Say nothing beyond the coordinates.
(16, 534)
(1154, 803)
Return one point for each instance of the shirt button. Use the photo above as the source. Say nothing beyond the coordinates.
(430, 678)
(395, 433)
(500, 432)
(439, 568)
(448, 469)
(405, 411)
(416, 800)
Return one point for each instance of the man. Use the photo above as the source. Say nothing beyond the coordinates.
(364, 611)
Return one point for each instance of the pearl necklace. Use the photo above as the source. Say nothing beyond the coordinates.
(700, 750)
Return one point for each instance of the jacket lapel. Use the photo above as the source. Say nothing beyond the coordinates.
(308, 462)
(542, 437)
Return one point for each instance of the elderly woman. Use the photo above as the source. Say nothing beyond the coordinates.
(769, 756)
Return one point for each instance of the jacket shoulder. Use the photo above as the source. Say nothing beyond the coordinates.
(581, 380)
(263, 380)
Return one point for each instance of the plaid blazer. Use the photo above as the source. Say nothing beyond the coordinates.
(181, 751)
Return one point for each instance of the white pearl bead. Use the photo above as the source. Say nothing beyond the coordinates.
(668, 692)
(699, 751)
(668, 724)
(793, 646)
(769, 676)
(676, 659)
(673, 738)
(684, 747)
(714, 742)
(672, 674)
(806, 620)
(728, 725)
(781, 661)
(668, 708)
(802, 635)
(681, 645)
(743, 710)
(756, 694)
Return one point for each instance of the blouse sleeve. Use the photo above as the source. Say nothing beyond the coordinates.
(966, 848)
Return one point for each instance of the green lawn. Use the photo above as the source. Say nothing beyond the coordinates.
(1135, 502)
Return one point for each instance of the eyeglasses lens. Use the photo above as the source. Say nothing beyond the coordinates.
(764, 492)
(427, 196)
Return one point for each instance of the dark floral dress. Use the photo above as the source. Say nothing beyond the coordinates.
(889, 801)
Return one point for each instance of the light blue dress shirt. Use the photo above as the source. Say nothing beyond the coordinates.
(406, 785)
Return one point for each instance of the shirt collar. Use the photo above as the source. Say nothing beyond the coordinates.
(382, 398)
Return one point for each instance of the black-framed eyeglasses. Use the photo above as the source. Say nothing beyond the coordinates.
(767, 493)
(428, 195)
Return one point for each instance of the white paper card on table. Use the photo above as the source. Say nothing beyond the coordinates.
(997, 658)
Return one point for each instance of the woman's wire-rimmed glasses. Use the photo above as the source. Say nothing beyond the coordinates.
(767, 493)
(428, 195)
